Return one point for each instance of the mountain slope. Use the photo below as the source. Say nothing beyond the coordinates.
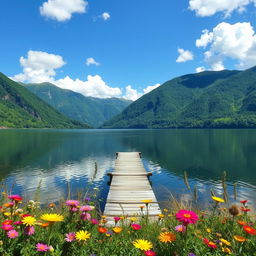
(20, 108)
(90, 110)
(173, 104)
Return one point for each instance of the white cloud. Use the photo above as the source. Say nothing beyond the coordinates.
(105, 16)
(237, 42)
(150, 88)
(210, 7)
(91, 61)
(200, 69)
(184, 56)
(94, 86)
(131, 94)
(39, 67)
(62, 10)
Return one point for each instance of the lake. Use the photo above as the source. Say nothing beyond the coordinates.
(60, 158)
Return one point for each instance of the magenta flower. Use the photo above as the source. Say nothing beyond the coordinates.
(85, 216)
(12, 234)
(42, 247)
(94, 221)
(7, 227)
(85, 208)
(15, 197)
(72, 203)
(186, 217)
(116, 219)
(18, 222)
(180, 228)
(135, 226)
(70, 237)
(29, 230)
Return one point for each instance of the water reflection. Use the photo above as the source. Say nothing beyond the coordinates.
(56, 157)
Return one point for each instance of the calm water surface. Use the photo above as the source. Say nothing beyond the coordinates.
(55, 158)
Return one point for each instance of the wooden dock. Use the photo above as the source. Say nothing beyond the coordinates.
(129, 185)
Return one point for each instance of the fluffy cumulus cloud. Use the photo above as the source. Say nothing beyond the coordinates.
(200, 69)
(39, 67)
(210, 7)
(105, 16)
(184, 56)
(235, 41)
(91, 61)
(62, 10)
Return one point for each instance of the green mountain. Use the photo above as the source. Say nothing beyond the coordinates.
(19, 108)
(203, 100)
(90, 110)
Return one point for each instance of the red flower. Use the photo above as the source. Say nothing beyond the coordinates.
(149, 253)
(210, 243)
(15, 197)
(102, 230)
(249, 230)
(245, 209)
(244, 201)
(136, 226)
(7, 222)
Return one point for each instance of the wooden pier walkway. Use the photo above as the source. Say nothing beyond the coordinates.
(129, 185)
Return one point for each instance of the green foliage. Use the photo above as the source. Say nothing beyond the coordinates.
(93, 111)
(223, 99)
(20, 108)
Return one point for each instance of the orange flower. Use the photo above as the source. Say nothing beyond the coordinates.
(241, 222)
(166, 237)
(102, 230)
(240, 239)
(45, 225)
(117, 230)
(210, 243)
(249, 230)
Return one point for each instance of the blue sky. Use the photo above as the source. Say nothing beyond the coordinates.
(123, 48)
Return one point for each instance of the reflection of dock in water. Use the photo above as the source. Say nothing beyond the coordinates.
(129, 186)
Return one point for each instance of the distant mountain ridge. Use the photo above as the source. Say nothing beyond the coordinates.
(19, 108)
(210, 99)
(94, 111)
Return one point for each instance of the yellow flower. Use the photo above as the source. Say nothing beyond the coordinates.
(240, 238)
(226, 250)
(7, 214)
(117, 230)
(225, 242)
(147, 201)
(161, 216)
(218, 199)
(133, 219)
(208, 230)
(82, 235)
(166, 237)
(165, 210)
(29, 221)
(52, 217)
(142, 244)
(103, 217)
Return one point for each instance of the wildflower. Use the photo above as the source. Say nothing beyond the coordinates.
(109, 233)
(142, 207)
(240, 239)
(12, 234)
(9, 205)
(85, 216)
(186, 217)
(245, 209)
(7, 227)
(70, 237)
(241, 222)
(142, 244)
(209, 230)
(243, 202)
(72, 203)
(166, 237)
(51, 249)
(102, 230)
(165, 210)
(233, 210)
(225, 242)
(249, 230)
(45, 225)
(217, 199)
(117, 230)
(94, 221)
(52, 217)
(82, 235)
(191, 254)
(226, 250)
(147, 201)
(17, 222)
(42, 247)
(86, 208)
(28, 221)
(87, 199)
(133, 219)
(15, 198)
(210, 243)
(116, 219)
(180, 228)
(7, 222)
(160, 216)
(30, 230)
(52, 205)
(149, 253)
(135, 226)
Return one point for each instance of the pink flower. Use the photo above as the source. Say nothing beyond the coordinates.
(180, 228)
(85, 208)
(12, 234)
(70, 237)
(135, 226)
(149, 253)
(74, 209)
(7, 227)
(42, 247)
(72, 203)
(15, 197)
(30, 230)
(116, 219)
(18, 222)
(186, 217)
(85, 216)
(94, 221)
